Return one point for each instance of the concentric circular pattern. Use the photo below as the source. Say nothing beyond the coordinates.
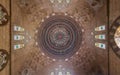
(3, 16)
(59, 36)
(115, 37)
(3, 59)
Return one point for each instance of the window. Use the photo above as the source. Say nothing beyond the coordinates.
(100, 28)
(52, 1)
(52, 73)
(18, 46)
(102, 37)
(68, 73)
(100, 45)
(60, 73)
(18, 37)
(68, 1)
(18, 28)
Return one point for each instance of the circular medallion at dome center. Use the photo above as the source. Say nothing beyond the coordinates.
(59, 36)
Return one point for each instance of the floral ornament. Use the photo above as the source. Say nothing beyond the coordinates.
(96, 4)
(60, 5)
(3, 15)
(3, 59)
